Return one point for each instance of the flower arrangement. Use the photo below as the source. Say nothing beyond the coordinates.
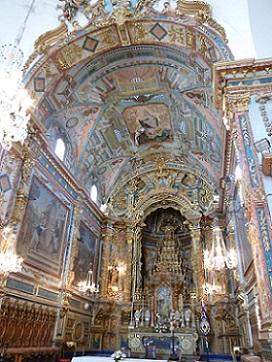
(118, 355)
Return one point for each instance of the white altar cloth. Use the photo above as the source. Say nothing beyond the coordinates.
(110, 359)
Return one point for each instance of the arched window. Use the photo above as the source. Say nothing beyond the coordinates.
(94, 193)
(60, 148)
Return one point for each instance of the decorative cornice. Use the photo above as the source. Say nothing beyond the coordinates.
(233, 74)
(196, 14)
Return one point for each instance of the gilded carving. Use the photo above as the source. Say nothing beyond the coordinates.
(108, 37)
(253, 172)
(239, 100)
(245, 132)
(190, 39)
(65, 303)
(266, 121)
(44, 41)
(121, 14)
(264, 229)
(61, 63)
(197, 257)
(258, 196)
(2, 202)
(214, 24)
(20, 204)
(194, 7)
(203, 46)
(27, 166)
(176, 34)
(73, 52)
(139, 32)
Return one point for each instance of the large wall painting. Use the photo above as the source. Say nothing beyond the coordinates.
(149, 122)
(41, 237)
(86, 254)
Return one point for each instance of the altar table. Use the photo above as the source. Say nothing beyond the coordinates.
(110, 359)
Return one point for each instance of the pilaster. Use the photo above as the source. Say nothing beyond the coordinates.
(127, 280)
(107, 236)
(197, 259)
(259, 232)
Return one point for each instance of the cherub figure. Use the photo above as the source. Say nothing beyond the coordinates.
(70, 8)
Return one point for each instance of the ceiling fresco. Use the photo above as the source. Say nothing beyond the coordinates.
(132, 95)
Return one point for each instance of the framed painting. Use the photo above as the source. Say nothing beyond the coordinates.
(43, 230)
(86, 254)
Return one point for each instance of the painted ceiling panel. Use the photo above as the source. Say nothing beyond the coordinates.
(133, 96)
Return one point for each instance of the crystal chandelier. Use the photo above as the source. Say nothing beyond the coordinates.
(219, 257)
(14, 102)
(88, 286)
(10, 262)
(14, 99)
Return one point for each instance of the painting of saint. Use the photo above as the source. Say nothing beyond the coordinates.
(43, 229)
(148, 123)
(86, 254)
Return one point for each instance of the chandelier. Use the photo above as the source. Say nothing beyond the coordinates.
(10, 262)
(219, 257)
(14, 98)
(88, 286)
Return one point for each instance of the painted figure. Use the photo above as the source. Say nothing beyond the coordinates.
(36, 237)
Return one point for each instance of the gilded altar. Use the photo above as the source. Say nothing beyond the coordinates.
(185, 343)
(165, 306)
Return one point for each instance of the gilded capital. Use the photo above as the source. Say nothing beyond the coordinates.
(77, 212)
(239, 100)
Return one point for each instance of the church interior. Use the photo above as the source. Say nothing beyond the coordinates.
(135, 187)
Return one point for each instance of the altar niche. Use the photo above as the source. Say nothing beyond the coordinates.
(165, 290)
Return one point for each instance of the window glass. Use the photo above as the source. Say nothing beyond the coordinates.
(94, 193)
(60, 148)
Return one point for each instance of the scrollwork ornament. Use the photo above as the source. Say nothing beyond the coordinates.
(245, 132)
(26, 169)
(65, 303)
(2, 202)
(140, 32)
(265, 237)
(266, 121)
(253, 172)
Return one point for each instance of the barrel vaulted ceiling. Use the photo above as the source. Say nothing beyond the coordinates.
(131, 92)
